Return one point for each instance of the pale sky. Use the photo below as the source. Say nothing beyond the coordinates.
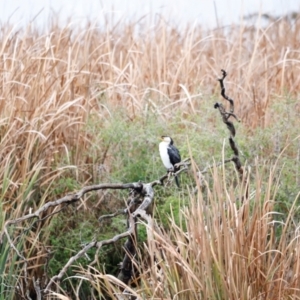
(200, 11)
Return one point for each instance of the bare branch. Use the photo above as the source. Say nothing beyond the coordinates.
(71, 198)
(186, 162)
(225, 117)
(81, 253)
(221, 80)
(145, 208)
(109, 216)
(140, 204)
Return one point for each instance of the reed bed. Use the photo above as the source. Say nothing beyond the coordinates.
(59, 88)
(53, 84)
(229, 250)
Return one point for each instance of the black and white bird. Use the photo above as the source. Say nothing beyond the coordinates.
(170, 155)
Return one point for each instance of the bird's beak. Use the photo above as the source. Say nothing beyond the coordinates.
(161, 138)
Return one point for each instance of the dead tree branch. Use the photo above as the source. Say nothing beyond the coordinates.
(139, 204)
(225, 117)
(126, 272)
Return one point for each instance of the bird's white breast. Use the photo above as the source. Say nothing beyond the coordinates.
(163, 150)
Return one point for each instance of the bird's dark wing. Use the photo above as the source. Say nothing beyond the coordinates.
(174, 155)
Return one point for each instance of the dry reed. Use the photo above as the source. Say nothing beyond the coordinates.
(53, 84)
(230, 249)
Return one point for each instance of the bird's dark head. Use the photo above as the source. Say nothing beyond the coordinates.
(167, 139)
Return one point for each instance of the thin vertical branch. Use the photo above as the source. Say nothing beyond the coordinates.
(225, 117)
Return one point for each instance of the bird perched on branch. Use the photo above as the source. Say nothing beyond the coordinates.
(170, 155)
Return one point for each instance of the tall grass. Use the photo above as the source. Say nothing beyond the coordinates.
(54, 83)
(61, 92)
(230, 249)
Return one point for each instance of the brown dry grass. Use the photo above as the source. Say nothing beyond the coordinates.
(53, 84)
(229, 250)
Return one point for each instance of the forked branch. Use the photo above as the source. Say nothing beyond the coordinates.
(139, 204)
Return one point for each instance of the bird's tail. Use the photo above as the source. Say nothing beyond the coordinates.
(177, 181)
(177, 178)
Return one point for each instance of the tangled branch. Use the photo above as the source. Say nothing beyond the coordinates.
(225, 117)
(139, 205)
